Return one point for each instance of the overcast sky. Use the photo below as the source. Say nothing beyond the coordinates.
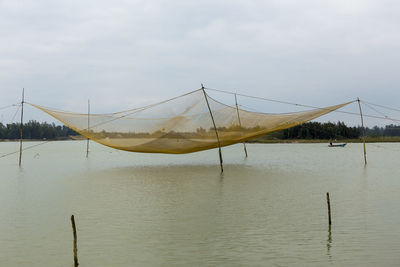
(124, 54)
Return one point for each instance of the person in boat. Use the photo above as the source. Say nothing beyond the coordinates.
(330, 141)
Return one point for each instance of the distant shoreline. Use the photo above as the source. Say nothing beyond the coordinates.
(369, 139)
(35, 140)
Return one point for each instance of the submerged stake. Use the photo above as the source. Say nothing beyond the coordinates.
(329, 208)
(75, 242)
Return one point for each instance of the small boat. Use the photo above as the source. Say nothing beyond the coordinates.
(338, 145)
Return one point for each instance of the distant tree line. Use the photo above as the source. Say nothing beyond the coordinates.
(388, 130)
(329, 130)
(317, 130)
(35, 130)
(309, 130)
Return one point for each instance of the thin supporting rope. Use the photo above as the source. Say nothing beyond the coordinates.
(285, 102)
(268, 99)
(389, 108)
(15, 114)
(26, 148)
(377, 117)
(9, 106)
(308, 106)
(377, 111)
(125, 115)
(134, 110)
(248, 108)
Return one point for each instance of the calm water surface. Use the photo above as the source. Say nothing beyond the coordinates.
(177, 210)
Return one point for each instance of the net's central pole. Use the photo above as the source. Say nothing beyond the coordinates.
(240, 124)
(88, 126)
(363, 129)
(215, 128)
(20, 129)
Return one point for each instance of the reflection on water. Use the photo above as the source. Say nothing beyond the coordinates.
(178, 210)
(329, 242)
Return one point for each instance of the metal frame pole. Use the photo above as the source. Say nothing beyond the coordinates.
(363, 129)
(215, 128)
(22, 121)
(240, 124)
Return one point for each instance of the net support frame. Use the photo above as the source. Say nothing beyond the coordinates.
(240, 124)
(215, 128)
(363, 130)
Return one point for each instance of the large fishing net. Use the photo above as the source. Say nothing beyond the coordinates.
(183, 124)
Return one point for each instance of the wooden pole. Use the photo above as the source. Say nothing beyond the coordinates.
(215, 128)
(240, 124)
(88, 127)
(329, 208)
(20, 129)
(363, 129)
(75, 241)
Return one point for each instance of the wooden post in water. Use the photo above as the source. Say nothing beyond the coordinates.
(215, 127)
(363, 129)
(329, 208)
(20, 129)
(75, 242)
(240, 124)
(88, 127)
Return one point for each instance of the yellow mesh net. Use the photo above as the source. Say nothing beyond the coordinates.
(181, 125)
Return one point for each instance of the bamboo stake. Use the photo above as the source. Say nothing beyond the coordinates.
(88, 122)
(363, 129)
(240, 124)
(215, 128)
(329, 209)
(75, 241)
(22, 121)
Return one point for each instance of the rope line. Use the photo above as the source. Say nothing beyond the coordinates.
(249, 108)
(374, 109)
(26, 148)
(130, 111)
(15, 114)
(381, 113)
(307, 106)
(394, 109)
(268, 99)
(13, 105)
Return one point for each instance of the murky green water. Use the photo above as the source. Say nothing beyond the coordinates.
(177, 210)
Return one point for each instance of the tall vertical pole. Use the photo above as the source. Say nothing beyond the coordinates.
(20, 129)
(240, 124)
(88, 127)
(215, 128)
(363, 129)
